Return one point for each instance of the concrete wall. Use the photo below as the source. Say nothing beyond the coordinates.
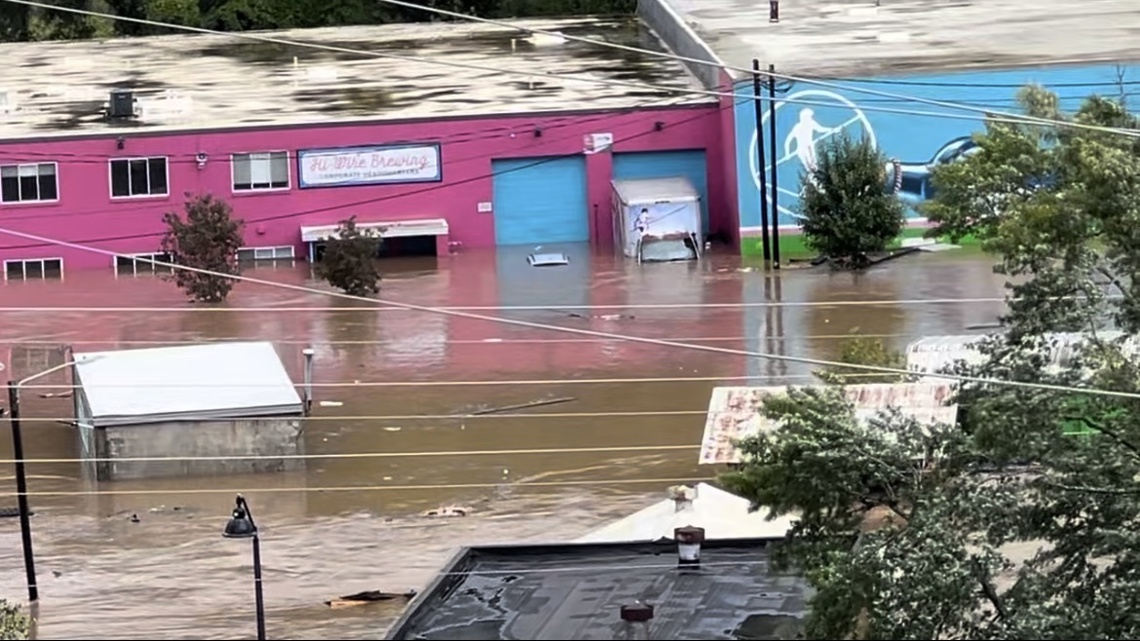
(918, 134)
(249, 437)
(86, 213)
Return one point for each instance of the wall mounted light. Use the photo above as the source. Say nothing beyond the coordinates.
(120, 142)
(538, 132)
(658, 126)
(202, 158)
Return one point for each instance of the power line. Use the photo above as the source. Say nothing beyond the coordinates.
(986, 115)
(43, 344)
(365, 488)
(480, 383)
(588, 332)
(439, 417)
(522, 308)
(360, 203)
(149, 208)
(361, 455)
(1024, 119)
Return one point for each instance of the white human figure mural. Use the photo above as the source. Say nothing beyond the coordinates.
(643, 223)
(803, 138)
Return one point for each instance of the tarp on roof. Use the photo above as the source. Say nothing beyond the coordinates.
(734, 412)
(214, 380)
(722, 514)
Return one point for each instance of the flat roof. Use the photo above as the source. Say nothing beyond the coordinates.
(833, 38)
(212, 380)
(207, 81)
(735, 412)
(575, 591)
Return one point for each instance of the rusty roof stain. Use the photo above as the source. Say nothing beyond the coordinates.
(734, 412)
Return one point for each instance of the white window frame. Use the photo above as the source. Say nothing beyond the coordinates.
(268, 157)
(37, 165)
(148, 268)
(23, 262)
(127, 159)
(276, 253)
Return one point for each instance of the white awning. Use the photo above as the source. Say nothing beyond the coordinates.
(387, 229)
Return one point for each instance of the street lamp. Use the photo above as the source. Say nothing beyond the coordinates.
(241, 526)
(22, 477)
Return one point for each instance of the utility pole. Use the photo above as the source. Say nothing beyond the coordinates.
(775, 159)
(760, 155)
(22, 490)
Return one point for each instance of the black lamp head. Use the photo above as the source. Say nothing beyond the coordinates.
(240, 525)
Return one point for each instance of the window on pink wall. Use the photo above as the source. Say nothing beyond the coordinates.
(260, 171)
(29, 183)
(139, 177)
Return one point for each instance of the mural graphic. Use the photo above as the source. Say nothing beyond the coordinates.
(915, 137)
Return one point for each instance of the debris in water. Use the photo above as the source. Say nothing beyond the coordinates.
(523, 406)
(392, 428)
(330, 403)
(370, 596)
(548, 260)
(134, 518)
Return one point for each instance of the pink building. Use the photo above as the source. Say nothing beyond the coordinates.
(444, 137)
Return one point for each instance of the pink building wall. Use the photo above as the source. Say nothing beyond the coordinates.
(86, 213)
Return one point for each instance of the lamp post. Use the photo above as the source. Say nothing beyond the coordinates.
(241, 526)
(22, 476)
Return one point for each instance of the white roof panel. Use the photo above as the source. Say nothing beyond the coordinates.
(646, 191)
(722, 514)
(389, 229)
(219, 380)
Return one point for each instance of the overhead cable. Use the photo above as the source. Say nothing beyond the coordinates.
(589, 332)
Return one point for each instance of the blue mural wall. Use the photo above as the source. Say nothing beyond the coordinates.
(917, 135)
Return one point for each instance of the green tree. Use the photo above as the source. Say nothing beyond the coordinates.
(207, 239)
(847, 211)
(14, 625)
(349, 259)
(1004, 525)
(862, 350)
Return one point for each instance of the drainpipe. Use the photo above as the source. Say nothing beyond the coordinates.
(308, 353)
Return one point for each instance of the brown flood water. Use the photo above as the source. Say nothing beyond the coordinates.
(172, 576)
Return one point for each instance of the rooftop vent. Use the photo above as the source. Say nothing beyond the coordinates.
(689, 541)
(121, 105)
(635, 620)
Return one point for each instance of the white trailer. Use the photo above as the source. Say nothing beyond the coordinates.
(657, 219)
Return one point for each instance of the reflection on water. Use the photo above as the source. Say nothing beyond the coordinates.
(171, 575)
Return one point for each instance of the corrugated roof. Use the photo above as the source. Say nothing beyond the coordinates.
(734, 412)
(722, 514)
(644, 191)
(934, 353)
(216, 380)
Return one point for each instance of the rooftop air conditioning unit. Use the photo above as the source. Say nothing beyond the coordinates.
(121, 105)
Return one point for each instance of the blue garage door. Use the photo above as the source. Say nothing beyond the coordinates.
(667, 164)
(540, 200)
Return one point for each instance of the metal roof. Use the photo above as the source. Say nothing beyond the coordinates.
(646, 191)
(576, 591)
(734, 412)
(935, 353)
(216, 380)
(722, 514)
(187, 82)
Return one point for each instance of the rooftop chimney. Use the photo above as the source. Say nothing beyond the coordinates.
(635, 619)
(689, 541)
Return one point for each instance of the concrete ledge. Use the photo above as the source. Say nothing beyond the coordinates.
(681, 40)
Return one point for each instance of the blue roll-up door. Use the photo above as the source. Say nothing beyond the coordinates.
(540, 200)
(667, 164)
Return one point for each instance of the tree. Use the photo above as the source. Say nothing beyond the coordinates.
(14, 624)
(208, 239)
(1022, 520)
(862, 350)
(847, 211)
(349, 260)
